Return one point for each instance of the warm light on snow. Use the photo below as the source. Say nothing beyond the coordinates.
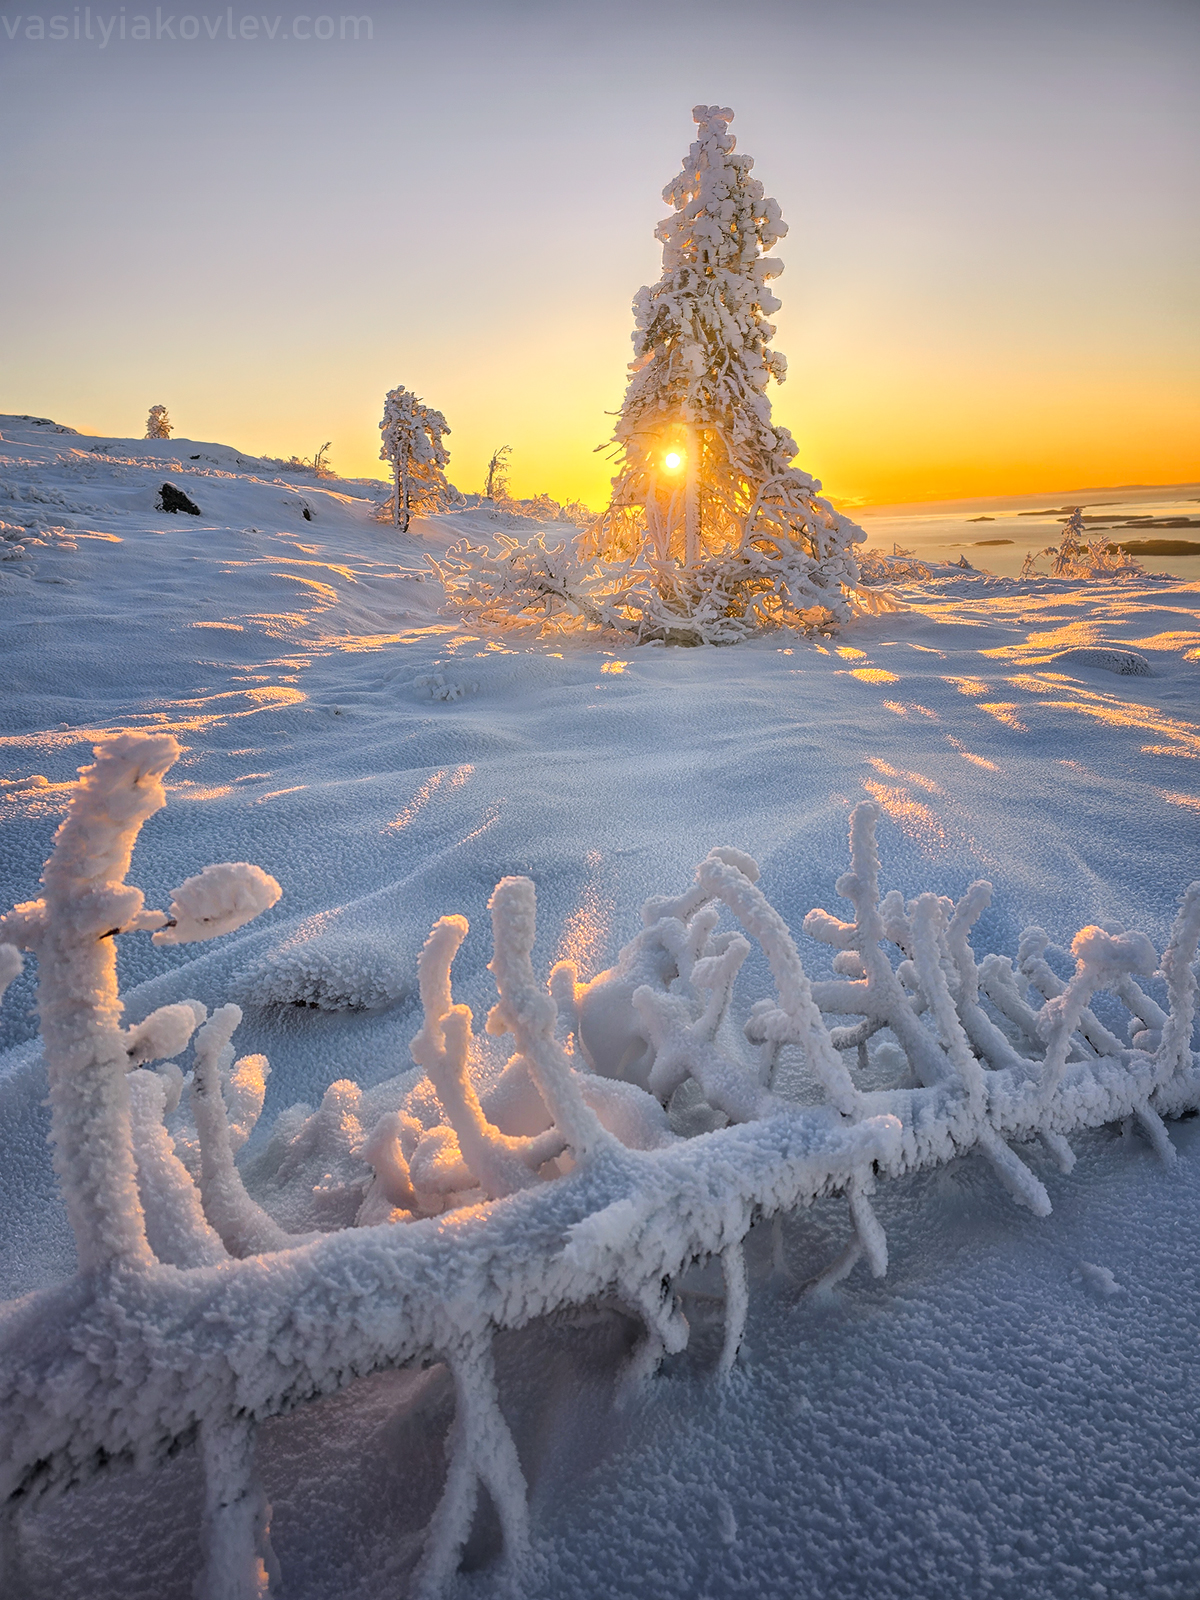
(386, 765)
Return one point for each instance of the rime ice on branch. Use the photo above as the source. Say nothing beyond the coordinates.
(72, 930)
(646, 1119)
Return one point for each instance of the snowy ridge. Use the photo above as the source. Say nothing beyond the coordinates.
(195, 1314)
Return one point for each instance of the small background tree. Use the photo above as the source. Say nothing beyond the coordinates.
(496, 484)
(1077, 558)
(158, 423)
(412, 444)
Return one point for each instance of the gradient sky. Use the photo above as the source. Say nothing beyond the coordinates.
(991, 269)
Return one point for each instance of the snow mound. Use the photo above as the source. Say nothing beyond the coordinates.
(1126, 663)
(1098, 1281)
(341, 971)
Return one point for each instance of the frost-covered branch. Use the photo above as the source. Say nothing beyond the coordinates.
(469, 1152)
(574, 1175)
(88, 1054)
(243, 1226)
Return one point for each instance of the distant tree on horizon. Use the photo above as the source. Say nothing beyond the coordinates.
(158, 423)
(412, 444)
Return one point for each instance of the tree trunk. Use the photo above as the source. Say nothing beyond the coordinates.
(691, 500)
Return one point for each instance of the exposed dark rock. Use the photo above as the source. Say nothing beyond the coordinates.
(173, 499)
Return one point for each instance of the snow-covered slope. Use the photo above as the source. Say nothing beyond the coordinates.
(386, 767)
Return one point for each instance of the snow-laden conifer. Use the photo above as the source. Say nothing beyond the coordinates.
(158, 423)
(711, 533)
(412, 444)
(704, 471)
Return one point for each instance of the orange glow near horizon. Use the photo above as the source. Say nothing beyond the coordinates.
(988, 284)
(894, 395)
(871, 432)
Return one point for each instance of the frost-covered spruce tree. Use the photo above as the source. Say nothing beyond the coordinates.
(158, 423)
(705, 483)
(412, 444)
(711, 534)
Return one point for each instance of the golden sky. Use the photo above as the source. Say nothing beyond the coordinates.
(990, 269)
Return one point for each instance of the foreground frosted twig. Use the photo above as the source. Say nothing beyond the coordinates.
(239, 1561)
(527, 1012)
(477, 1153)
(70, 930)
(244, 1227)
(87, 1053)
(481, 1451)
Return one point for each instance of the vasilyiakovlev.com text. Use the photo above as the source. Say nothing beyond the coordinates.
(85, 25)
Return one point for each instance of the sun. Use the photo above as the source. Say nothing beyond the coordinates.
(672, 460)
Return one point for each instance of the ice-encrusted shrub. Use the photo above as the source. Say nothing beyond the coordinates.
(495, 483)
(644, 1120)
(1082, 559)
(158, 423)
(711, 534)
(902, 566)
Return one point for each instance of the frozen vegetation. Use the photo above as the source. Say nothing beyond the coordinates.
(363, 1249)
(711, 534)
(411, 444)
(633, 1132)
(1078, 558)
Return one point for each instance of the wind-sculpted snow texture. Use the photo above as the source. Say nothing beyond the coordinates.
(568, 1181)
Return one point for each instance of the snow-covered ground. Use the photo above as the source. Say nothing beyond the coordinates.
(1011, 1411)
